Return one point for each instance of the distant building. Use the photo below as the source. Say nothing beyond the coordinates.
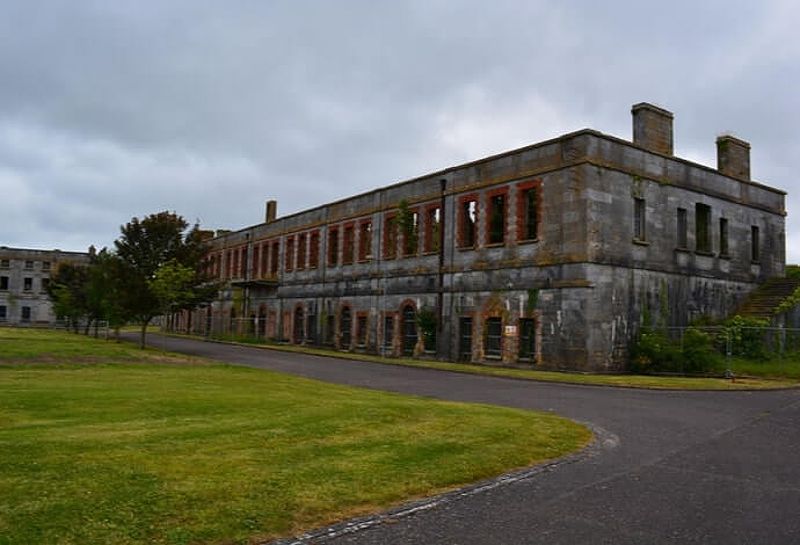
(554, 254)
(24, 276)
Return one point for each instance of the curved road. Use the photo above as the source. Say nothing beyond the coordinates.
(688, 467)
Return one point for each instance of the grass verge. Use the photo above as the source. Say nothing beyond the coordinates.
(139, 452)
(659, 382)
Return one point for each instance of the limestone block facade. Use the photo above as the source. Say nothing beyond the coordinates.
(551, 255)
(24, 275)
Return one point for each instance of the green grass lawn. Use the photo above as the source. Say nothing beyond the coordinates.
(156, 448)
(760, 375)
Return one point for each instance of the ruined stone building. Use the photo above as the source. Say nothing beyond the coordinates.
(24, 275)
(553, 254)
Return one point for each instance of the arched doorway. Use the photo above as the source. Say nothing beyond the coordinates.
(345, 328)
(299, 326)
(409, 330)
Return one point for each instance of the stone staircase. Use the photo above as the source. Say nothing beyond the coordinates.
(762, 302)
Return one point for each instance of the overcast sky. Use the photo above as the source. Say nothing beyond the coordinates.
(114, 109)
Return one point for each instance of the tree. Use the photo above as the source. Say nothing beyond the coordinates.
(160, 267)
(68, 292)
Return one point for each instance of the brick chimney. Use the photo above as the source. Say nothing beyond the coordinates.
(272, 211)
(733, 157)
(652, 128)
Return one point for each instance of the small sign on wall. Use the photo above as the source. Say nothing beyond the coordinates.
(511, 331)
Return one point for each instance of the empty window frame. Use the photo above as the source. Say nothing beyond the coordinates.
(468, 222)
(390, 236)
(29, 265)
(498, 201)
(27, 283)
(528, 211)
(702, 228)
(639, 219)
(527, 339)
(755, 244)
(388, 331)
(256, 261)
(333, 246)
(348, 248)
(313, 250)
(289, 256)
(3, 283)
(228, 263)
(26, 314)
(433, 229)
(275, 255)
(3, 313)
(265, 259)
(493, 347)
(45, 265)
(723, 236)
(5, 263)
(365, 240)
(410, 230)
(301, 251)
(683, 229)
(45, 284)
(242, 261)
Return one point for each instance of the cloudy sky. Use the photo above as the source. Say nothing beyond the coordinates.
(114, 109)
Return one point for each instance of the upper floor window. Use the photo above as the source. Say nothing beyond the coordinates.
(702, 228)
(275, 253)
(29, 265)
(242, 261)
(365, 240)
(333, 247)
(528, 214)
(289, 256)
(27, 283)
(755, 244)
(4, 283)
(639, 219)
(313, 254)
(301, 251)
(45, 284)
(723, 237)
(682, 229)
(433, 229)
(45, 265)
(468, 222)
(410, 229)
(497, 217)
(390, 237)
(348, 246)
(5, 263)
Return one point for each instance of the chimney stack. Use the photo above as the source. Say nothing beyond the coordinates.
(733, 157)
(652, 128)
(272, 211)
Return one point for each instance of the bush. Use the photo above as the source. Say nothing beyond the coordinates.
(656, 353)
(747, 337)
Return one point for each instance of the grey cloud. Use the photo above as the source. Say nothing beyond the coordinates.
(114, 109)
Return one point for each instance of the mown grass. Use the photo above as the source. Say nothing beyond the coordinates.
(136, 452)
(757, 377)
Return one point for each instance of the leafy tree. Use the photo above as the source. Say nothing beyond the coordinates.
(68, 292)
(160, 264)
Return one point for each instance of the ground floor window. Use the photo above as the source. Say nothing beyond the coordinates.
(345, 327)
(494, 338)
(361, 330)
(409, 330)
(465, 339)
(527, 339)
(388, 332)
(26, 314)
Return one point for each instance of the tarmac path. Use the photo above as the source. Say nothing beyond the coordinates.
(670, 467)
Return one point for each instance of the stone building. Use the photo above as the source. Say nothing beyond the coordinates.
(24, 275)
(553, 254)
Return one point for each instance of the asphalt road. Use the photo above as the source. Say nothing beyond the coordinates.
(674, 467)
